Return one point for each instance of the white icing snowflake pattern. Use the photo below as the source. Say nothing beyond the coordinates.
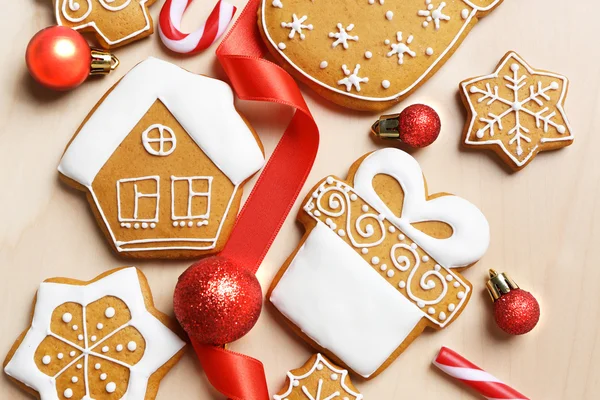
(277, 4)
(402, 48)
(537, 94)
(352, 79)
(436, 15)
(342, 36)
(296, 26)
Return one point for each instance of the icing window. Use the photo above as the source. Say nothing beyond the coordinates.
(190, 198)
(159, 140)
(137, 199)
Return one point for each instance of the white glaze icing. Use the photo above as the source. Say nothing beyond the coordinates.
(342, 36)
(389, 15)
(368, 55)
(296, 26)
(402, 48)
(385, 84)
(281, 46)
(323, 64)
(433, 14)
(161, 343)
(352, 80)
(165, 135)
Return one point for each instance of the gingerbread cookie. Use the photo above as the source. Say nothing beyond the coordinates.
(163, 158)
(114, 22)
(318, 379)
(367, 54)
(516, 112)
(101, 339)
(378, 262)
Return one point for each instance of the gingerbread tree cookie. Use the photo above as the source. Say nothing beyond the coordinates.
(367, 54)
(516, 112)
(101, 339)
(318, 379)
(379, 262)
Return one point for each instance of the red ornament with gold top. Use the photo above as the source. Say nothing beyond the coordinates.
(59, 58)
(417, 126)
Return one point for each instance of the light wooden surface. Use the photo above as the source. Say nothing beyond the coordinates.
(545, 220)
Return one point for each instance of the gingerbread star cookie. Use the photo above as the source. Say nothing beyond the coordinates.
(367, 54)
(114, 22)
(516, 112)
(318, 379)
(101, 339)
(380, 261)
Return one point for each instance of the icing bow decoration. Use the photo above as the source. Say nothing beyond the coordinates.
(470, 229)
(169, 26)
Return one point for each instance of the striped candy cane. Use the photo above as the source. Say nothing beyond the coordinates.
(169, 26)
(470, 374)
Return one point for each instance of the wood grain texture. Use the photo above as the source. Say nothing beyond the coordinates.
(545, 220)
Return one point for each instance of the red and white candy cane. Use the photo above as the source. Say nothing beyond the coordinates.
(470, 374)
(169, 26)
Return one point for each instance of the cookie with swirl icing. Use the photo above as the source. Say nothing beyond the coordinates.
(367, 54)
(380, 261)
(115, 23)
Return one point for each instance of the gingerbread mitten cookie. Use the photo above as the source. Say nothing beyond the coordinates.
(378, 263)
(101, 339)
(367, 54)
(516, 112)
(163, 159)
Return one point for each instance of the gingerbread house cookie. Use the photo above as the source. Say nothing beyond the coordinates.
(379, 262)
(163, 159)
(367, 54)
(114, 22)
(101, 339)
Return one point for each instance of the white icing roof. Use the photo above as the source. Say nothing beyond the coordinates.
(203, 106)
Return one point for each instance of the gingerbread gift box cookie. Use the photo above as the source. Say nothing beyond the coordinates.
(101, 339)
(114, 22)
(378, 263)
(367, 54)
(163, 159)
(516, 111)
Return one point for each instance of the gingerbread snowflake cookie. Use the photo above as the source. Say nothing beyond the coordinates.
(516, 112)
(318, 379)
(367, 54)
(114, 22)
(101, 339)
(163, 158)
(379, 262)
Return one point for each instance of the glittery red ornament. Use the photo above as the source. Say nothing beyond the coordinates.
(59, 58)
(417, 126)
(216, 301)
(516, 311)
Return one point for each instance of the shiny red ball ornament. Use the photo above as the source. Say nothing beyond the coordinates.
(516, 311)
(417, 126)
(58, 58)
(217, 301)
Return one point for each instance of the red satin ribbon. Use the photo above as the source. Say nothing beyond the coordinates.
(237, 376)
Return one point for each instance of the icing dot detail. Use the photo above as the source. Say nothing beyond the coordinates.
(414, 246)
(368, 55)
(429, 51)
(175, 223)
(392, 229)
(68, 393)
(449, 278)
(375, 260)
(74, 327)
(431, 310)
(296, 383)
(365, 208)
(97, 366)
(79, 366)
(385, 84)
(99, 326)
(451, 307)
(420, 304)
(60, 356)
(442, 316)
(74, 379)
(111, 387)
(401, 284)
(383, 267)
(320, 367)
(456, 284)
(461, 295)
(437, 268)
(94, 338)
(401, 237)
(182, 224)
(72, 353)
(131, 346)
(153, 225)
(105, 349)
(109, 312)
(334, 377)
(425, 259)
(386, 42)
(364, 250)
(136, 226)
(144, 225)
(390, 273)
(67, 317)
(323, 64)
(389, 15)
(46, 360)
(281, 46)
(353, 197)
(119, 347)
(80, 337)
(464, 13)
(342, 232)
(103, 377)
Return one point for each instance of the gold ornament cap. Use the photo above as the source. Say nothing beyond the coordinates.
(387, 127)
(103, 62)
(499, 284)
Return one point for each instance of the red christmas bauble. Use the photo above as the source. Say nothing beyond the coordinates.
(216, 301)
(58, 58)
(517, 312)
(419, 125)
